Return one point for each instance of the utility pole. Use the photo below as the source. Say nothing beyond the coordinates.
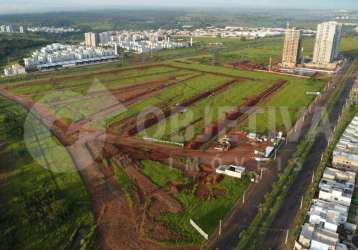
(301, 206)
(220, 227)
(286, 240)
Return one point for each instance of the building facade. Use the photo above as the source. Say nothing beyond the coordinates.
(91, 39)
(327, 43)
(292, 48)
(345, 155)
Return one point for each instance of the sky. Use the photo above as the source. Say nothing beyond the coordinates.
(23, 6)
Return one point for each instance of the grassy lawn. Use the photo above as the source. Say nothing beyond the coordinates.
(162, 175)
(43, 201)
(283, 109)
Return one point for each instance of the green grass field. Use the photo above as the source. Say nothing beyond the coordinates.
(108, 80)
(180, 127)
(172, 95)
(162, 175)
(38, 200)
(283, 109)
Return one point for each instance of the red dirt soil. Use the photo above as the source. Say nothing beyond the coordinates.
(115, 220)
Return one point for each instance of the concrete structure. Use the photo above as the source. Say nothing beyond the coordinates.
(327, 44)
(345, 155)
(231, 170)
(13, 70)
(91, 39)
(292, 48)
(58, 55)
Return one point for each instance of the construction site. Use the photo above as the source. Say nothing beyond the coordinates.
(165, 129)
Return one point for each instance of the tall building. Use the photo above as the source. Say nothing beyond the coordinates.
(9, 29)
(292, 48)
(327, 43)
(21, 29)
(104, 38)
(91, 39)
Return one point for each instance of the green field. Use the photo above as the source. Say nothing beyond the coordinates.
(180, 128)
(287, 102)
(109, 80)
(283, 109)
(172, 95)
(41, 193)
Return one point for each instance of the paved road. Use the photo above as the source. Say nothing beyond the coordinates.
(275, 239)
(242, 215)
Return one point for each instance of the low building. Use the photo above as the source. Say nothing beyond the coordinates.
(231, 170)
(330, 215)
(345, 155)
(59, 56)
(14, 70)
(317, 238)
(336, 191)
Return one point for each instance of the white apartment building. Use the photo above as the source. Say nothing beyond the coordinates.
(292, 48)
(9, 29)
(104, 38)
(327, 43)
(14, 70)
(59, 55)
(91, 39)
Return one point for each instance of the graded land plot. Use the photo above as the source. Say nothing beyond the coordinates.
(205, 204)
(41, 193)
(82, 83)
(99, 98)
(120, 89)
(172, 96)
(182, 127)
(283, 109)
(291, 98)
